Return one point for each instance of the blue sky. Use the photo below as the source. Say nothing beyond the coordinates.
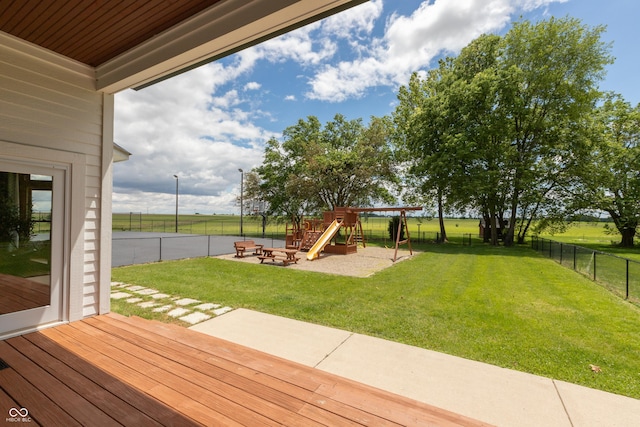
(205, 124)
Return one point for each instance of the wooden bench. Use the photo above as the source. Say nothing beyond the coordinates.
(247, 245)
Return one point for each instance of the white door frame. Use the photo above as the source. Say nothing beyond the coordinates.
(67, 239)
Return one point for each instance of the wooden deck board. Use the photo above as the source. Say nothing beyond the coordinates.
(77, 377)
(130, 369)
(227, 383)
(315, 404)
(112, 370)
(27, 395)
(63, 396)
(69, 352)
(284, 395)
(230, 400)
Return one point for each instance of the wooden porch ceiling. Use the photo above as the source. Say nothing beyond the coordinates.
(111, 370)
(93, 32)
(136, 43)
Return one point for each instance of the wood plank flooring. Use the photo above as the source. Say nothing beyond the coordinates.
(17, 294)
(111, 370)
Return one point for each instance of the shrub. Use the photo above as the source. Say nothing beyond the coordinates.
(394, 224)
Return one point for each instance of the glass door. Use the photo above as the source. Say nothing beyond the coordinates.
(31, 246)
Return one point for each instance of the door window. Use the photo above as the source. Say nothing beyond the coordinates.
(32, 212)
(25, 241)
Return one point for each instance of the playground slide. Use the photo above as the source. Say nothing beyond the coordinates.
(322, 241)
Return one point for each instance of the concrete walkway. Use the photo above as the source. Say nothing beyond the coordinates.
(485, 392)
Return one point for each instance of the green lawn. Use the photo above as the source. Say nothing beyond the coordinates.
(506, 306)
(29, 260)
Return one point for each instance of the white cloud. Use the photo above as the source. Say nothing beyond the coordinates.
(252, 86)
(181, 127)
(411, 43)
(298, 46)
(202, 125)
(355, 21)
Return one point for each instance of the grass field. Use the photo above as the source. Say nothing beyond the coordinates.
(588, 234)
(591, 232)
(252, 225)
(506, 306)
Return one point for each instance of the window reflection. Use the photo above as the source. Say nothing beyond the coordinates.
(25, 241)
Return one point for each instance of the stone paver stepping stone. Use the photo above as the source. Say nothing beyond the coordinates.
(134, 300)
(135, 288)
(186, 301)
(195, 317)
(207, 306)
(162, 309)
(147, 304)
(160, 296)
(146, 292)
(120, 295)
(222, 310)
(177, 312)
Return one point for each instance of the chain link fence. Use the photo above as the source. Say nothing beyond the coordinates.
(620, 275)
(140, 248)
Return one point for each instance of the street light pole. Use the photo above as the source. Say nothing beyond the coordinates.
(241, 199)
(176, 177)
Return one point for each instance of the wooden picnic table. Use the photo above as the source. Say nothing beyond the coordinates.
(279, 254)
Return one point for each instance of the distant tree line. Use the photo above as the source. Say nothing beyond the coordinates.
(514, 127)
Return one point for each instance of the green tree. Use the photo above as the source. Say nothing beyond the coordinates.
(315, 167)
(394, 227)
(553, 70)
(276, 173)
(482, 134)
(423, 141)
(609, 177)
(494, 128)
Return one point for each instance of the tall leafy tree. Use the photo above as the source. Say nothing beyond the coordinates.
(482, 134)
(609, 177)
(504, 116)
(422, 140)
(553, 70)
(316, 167)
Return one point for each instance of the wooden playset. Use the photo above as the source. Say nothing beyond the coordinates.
(340, 232)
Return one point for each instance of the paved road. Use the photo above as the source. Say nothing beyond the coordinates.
(138, 248)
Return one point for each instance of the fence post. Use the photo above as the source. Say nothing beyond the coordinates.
(575, 261)
(561, 252)
(160, 248)
(627, 293)
(594, 266)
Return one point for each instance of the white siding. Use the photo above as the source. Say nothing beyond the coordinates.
(50, 102)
